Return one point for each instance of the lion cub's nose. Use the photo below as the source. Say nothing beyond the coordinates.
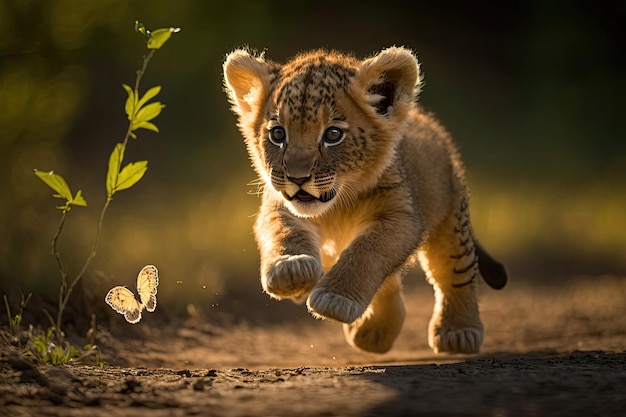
(299, 181)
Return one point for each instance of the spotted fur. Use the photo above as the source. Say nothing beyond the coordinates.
(358, 182)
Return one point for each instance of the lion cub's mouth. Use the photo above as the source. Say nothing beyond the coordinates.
(304, 197)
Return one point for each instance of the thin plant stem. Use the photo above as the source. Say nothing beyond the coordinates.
(64, 296)
(57, 256)
(142, 71)
(10, 317)
(55, 251)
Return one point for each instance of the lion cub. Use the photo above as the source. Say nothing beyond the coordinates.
(359, 182)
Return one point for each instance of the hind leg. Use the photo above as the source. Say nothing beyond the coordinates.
(377, 329)
(449, 260)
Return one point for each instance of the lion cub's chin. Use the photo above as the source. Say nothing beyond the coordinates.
(305, 205)
(309, 209)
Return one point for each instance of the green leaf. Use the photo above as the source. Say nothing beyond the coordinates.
(129, 106)
(131, 174)
(78, 200)
(57, 183)
(115, 162)
(147, 125)
(158, 37)
(148, 113)
(39, 344)
(151, 93)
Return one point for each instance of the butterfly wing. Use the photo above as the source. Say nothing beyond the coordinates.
(122, 300)
(147, 282)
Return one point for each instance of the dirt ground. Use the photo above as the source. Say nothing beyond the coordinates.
(556, 351)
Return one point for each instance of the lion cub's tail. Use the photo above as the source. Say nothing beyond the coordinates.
(493, 272)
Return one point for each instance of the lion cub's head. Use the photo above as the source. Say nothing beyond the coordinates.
(323, 127)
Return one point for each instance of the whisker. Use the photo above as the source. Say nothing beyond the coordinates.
(260, 187)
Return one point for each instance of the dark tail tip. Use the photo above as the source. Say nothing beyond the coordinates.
(493, 272)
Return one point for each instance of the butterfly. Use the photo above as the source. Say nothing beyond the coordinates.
(125, 302)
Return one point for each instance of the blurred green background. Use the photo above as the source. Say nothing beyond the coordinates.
(533, 92)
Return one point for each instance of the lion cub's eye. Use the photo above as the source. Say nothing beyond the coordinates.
(333, 136)
(278, 136)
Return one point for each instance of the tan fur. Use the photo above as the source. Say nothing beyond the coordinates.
(392, 191)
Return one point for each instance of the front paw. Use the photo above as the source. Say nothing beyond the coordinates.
(292, 276)
(323, 304)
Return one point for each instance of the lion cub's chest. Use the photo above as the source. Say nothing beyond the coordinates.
(336, 233)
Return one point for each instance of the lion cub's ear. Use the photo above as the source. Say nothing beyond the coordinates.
(391, 80)
(247, 81)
